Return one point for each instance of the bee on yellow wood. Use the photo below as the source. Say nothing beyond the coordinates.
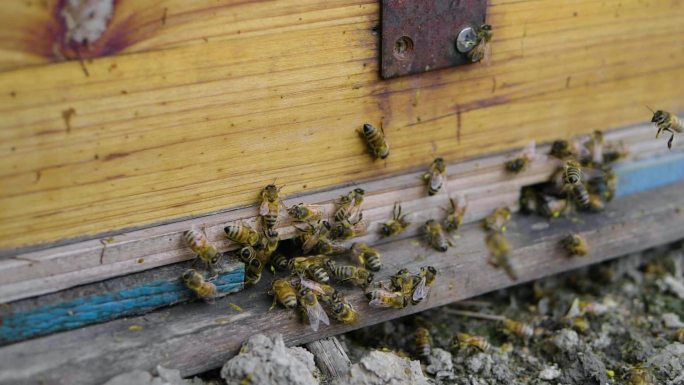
(403, 282)
(435, 236)
(367, 256)
(375, 139)
(313, 310)
(422, 282)
(270, 205)
(482, 49)
(349, 206)
(397, 224)
(199, 244)
(195, 281)
(498, 247)
(436, 176)
(386, 299)
(313, 267)
(517, 328)
(305, 213)
(465, 341)
(575, 244)
(423, 344)
(521, 162)
(284, 293)
(561, 149)
(455, 213)
(344, 312)
(352, 274)
(667, 122)
(496, 221)
(242, 234)
(346, 230)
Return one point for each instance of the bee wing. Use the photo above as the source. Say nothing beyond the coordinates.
(311, 285)
(436, 180)
(487, 53)
(420, 291)
(316, 314)
(310, 243)
(377, 303)
(264, 209)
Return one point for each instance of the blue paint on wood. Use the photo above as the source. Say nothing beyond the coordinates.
(105, 307)
(646, 175)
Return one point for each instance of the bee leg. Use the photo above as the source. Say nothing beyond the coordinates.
(669, 142)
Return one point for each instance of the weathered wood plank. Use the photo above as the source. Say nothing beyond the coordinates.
(330, 357)
(179, 126)
(197, 337)
(483, 181)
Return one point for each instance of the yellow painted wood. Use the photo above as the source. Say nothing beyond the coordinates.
(193, 117)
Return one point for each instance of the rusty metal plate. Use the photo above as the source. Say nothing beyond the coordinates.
(420, 35)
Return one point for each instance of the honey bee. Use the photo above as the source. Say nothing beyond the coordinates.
(666, 121)
(325, 292)
(386, 299)
(517, 328)
(195, 281)
(313, 267)
(640, 375)
(316, 239)
(465, 341)
(561, 149)
(349, 206)
(270, 205)
(575, 244)
(482, 49)
(498, 247)
(242, 234)
(351, 274)
(435, 177)
(397, 224)
(279, 261)
(253, 269)
(520, 163)
(375, 139)
(403, 282)
(284, 293)
(305, 213)
(199, 244)
(455, 214)
(581, 196)
(312, 308)
(595, 147)
(344, 312)
(423, 343)
(346, 230)
(268, 244)
(496, 221)
(551, 207)
(367, 256)
(422, 282)
(435, 236)
(572, 172)
(679, 334)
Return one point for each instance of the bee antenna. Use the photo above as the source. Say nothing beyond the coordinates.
(650, 109)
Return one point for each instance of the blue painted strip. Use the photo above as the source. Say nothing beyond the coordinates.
(646, 175)
(105, 307)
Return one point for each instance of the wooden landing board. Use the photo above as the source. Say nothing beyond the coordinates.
(108, 300)
(198, 105)
(483, 181)
(196, 337)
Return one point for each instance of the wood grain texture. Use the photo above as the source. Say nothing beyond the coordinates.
(330, 357)
(197, 337)
(483, 181)
(197, 114)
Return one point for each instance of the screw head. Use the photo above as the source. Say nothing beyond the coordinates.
(466, 40)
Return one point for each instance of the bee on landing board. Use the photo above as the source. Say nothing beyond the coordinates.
(375, 139)
(397, 224)
(349, 206)
(575, 244)
(312, 309)
(199, 244)
(242, 234)
(195, 281)
(358, 276)
(521, 162)
(284, 293)
(498, 247)
(435, 236)
(667, 122)
(496, 221)
(305, 213)
(367, 256)
(455, 214)
(382, 298)
(435, 178)
(422, 282)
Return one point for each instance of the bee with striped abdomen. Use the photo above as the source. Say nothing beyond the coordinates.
(268, 243)
(581, 196)
(397, 224)
(386, 299)
(199, 244)
(284, 293)
(436, 176)
(375, 139)
(270, 205)
(521, 162)
(195, 281)
(344, 312)
(349, 206)
(422, 282)
(666, 121)
(325, 292)
(312, 309)
(315, 239)
(242, 234)
(346, 230)
(314, 267)
(435, 236)
(498, 247)
(279, 261)
(572, 172)
(575, 244)
(423, 344)
(350, 274)
(465, 341)
(483, 48)
(517, 328)
(456, 213)
(403, 282)
(367, 256)
(305, 213)
(496, 221)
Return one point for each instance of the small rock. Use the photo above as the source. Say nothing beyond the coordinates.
(668, 363)
(550, 373)
(565, 340)
(381, 368)
(136, 377)
(675, 286)
(672, 321)
(266, 361)
(170, 376)
(479, 362)
(440, 364)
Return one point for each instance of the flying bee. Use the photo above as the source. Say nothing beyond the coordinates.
(482, 49)
(344, 312)
(465, 341)
(423, 343)
(550, 207)
(435, 177)
(422, 282)
(349, 206)
(270, 205)
(496, 221)
(498, 247)
(347, 273)
(667, 122)
(561, 149)
(595, 147)
(517, 328)
(313, 267)
(284, 293)
(520, 163)
(312, 308)
(367, 256)
(242, 234)
(195, 281)
(572, 172)
(435, 236)
(397, 224)
(199, 244)
(279, 261)
(305, 213)
(346, 230)
(575, 244)
(403, 282)
(386, 299)
(456, 213)
(375, 139)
